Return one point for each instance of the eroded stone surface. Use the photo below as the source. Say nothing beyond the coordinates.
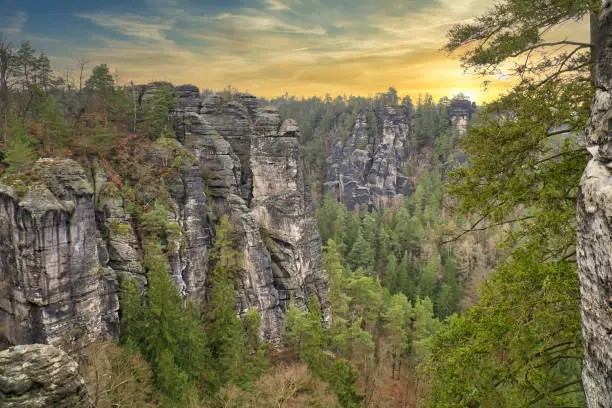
(53, 287)
(253, 170)
(365, 171)
(40, 376)
(594, 240)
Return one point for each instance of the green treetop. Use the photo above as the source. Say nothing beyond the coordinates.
(19, 152)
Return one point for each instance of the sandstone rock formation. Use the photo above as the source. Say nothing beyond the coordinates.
(40, 376)
(187, 188)
(594, 245)
(253, 170)
(66, 237)
(365, 171)
(460, 113)
(376, 166)
(53, 287)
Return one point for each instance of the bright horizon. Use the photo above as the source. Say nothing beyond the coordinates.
(264, 47)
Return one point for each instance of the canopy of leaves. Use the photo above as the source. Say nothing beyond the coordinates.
(155, 116)
(521, 345)
(19, 153)
(517, 28)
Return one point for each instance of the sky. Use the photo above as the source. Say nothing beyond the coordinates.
(265, 47)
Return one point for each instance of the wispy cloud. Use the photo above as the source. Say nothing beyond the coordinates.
(276, 5)
(130, 25)
(13, 23)
(268, 47)
(257, 21)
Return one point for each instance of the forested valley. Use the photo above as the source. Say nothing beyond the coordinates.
(455, 284)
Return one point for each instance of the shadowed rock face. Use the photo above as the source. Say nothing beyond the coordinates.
(53, 287)
(594, 245)
(365, 171)
(254, 172)
(40, 376)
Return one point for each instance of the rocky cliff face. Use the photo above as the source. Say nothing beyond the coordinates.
(40, 376)
(594, 246)
(54, 287)
(187, 188)
(66, 237)
(365, 171)
(253, 170)
(380, 161)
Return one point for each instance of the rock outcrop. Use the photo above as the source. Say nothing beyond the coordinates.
(53, 286)
(40, 376)
(594, 245)
(460, 112)
(67, 237)
(254, 172)
(380, 162)
(365, 171)
(284, 211)
(187, 188)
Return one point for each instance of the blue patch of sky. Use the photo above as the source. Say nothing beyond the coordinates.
(59, 19)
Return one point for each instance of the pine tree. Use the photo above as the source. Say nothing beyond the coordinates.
(335, 275)
(353, 224)
(331, 220)
(45, 73)
(169, 337)
(19, 153)
(156, 121)
(170, 379)
(255, 362)
(132, 319)
(365, 298)
(225, 334)
(342, 380)
(385, 246)
(518, 177)
(407, 230)
(390, 278)
(407, 102)
(101, 81)
(226, 339)
(192, 351)
(397, 317)
(25, 65)
(424, 326)
(162, 307)
(450, 288)
(103, 97)
(304, 333)
(405, 278)
(428, 277)
(362, 255)
(54, 128)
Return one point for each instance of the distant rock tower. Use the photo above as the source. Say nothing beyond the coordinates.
(460, 112)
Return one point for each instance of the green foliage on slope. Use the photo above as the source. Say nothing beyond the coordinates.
(399, 247)
(521, 344)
